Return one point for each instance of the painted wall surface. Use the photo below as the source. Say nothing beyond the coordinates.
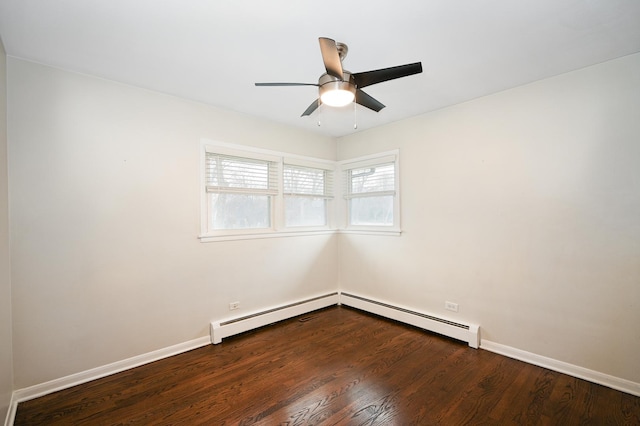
(105, 208)
(524, 208)
(6, 368)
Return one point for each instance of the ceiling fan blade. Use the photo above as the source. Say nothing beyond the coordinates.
(367, 78)
(330, 57)
(314, 105)
(366, 100)
(285, 84)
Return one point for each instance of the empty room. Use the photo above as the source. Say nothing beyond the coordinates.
(352, 213)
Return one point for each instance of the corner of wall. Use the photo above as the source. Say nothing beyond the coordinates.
(6, 347)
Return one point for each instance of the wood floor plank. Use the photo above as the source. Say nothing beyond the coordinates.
(336, 366)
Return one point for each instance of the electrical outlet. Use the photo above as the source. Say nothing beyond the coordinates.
(234, 305)
(450, 306)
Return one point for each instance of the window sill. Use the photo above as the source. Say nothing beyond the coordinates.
(385, 232)
(285, 234)
(261, 235)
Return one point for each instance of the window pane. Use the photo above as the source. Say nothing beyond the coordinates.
(240, 211)
(305, 211)
(371, 210)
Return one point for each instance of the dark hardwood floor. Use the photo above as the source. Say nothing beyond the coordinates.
(335, 366)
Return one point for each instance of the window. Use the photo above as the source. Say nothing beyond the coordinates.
(371, 193)
(255, 193)
(240, 192)
(307, 192)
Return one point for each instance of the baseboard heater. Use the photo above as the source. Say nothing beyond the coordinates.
(469, 333)
(230, 327)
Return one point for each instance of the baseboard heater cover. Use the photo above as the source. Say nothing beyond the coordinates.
(233, 326)
(469, 333)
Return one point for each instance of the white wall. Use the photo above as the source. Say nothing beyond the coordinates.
(6, 369)
(524, 208)
(104, 202)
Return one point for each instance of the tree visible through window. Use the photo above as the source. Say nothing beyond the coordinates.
(240, 192)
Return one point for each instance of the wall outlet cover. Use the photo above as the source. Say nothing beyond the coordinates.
(450, 306)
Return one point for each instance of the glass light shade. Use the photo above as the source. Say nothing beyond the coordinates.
(336, 93)
(337, 97)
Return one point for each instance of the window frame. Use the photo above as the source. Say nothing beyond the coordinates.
(277, 228)
(272, 193)
(381, 158)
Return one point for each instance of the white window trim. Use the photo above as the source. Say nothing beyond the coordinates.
(378, 158)
(278, 228)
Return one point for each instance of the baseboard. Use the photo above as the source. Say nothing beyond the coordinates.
(469, 333)
(613, 382)
(11, 413)
(251, 321)
(55, 385)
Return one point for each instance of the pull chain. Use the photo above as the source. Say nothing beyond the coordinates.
(355, 116)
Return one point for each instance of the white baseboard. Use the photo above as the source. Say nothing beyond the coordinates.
(613, 382)
(55, 385)
(11, 413)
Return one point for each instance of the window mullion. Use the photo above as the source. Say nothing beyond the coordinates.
(278, 208)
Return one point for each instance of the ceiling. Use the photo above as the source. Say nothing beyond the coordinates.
(213, 51)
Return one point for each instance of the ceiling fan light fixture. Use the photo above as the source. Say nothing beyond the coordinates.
(337, 93)
(338, 87)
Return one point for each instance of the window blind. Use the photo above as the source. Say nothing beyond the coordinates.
(227, 173)
(307, 181)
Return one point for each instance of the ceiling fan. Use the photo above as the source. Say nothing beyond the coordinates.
(338, 87)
